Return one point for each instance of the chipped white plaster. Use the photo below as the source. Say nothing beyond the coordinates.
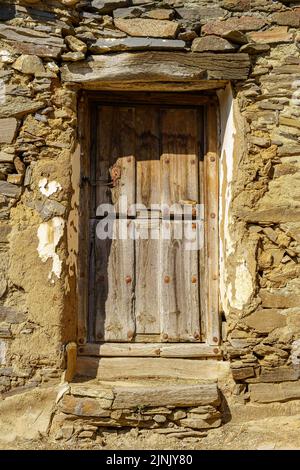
(3, 348)
(243, 287)
(49, 234)
(228, 132)
(49, 188)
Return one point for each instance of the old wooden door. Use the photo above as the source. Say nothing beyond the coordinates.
(145, 278)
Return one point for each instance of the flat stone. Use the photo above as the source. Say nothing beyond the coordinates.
(15, 179)
(172, 395)
(242, 373)
(253, 48)
(280, 374)
(147, 28)
(73, 56)
(132, 12)
(236, 5)
(107, 6)
(288, 121)
(287, 18)
(9, 190)
(159, 419)
(269, 393)
(82, 407)
(198, 423)
(75, 44)
(5, 331)
(266, 320)
(130, 43)
(29, 64)
(8, 129)
(48, 208)
(159, 14)
(278, 299)
(19, 106)
(288, 149)
(9, 314)
(200, 14)
(274, 35)
(244, 24)
(29, 41)
(212, 44)
(187, 35)
(5, 230)
(236, 36)
(180, 414)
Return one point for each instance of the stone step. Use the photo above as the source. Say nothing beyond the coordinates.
(159, 404)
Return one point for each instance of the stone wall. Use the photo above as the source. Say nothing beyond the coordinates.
(260, 228)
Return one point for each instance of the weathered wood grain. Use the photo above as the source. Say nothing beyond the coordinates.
(119, 307)
(157, 66)
(114, 368)
(149, 350)
(179, 291)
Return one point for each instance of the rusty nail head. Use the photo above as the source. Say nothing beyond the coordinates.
(215, 339)
(128, 279)
(216, 351)
(129, 159)
(81, 341)
(193, 162)
(194, 226)
(167, 279)
(212, 215)
(130, 334)
(196, 335)
(165, 336)
(167, 160)
(212, 159)
(194, 279)
(215, 277)
(194, 211)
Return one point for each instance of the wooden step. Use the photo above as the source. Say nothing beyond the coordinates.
(138, 368)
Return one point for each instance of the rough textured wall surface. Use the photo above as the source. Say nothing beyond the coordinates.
(39, 175)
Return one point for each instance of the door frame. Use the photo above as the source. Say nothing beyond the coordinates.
(88, 101)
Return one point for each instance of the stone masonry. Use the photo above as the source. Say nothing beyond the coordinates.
(43, 45)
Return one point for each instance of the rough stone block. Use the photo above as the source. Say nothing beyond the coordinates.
(271, 36)
(266, 320)
(244, 24)
(9, 190)
(147, 28)
(198, 423)
(124, 44)
(82, 407)
(242, 373)
(212, 43)
(278, 299)
(287, 18)
(269, 393)
(8, 129)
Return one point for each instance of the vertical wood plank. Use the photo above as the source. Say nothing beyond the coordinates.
(147, 156)
(115, 174)
(84, 130)
(179, 159)
(179, 292)
(211, 205)
(119, 307)
(147, 267)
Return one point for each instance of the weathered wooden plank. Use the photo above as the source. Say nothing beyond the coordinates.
(158, 86)
(147, 156)
(212, 240)
(116, 157)
(119, 307)
(149, 350)
(157, 66)
(115, 368)
(172, 395)
(179, 292)
(152, 98)
(179, 169)
(147, 262)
